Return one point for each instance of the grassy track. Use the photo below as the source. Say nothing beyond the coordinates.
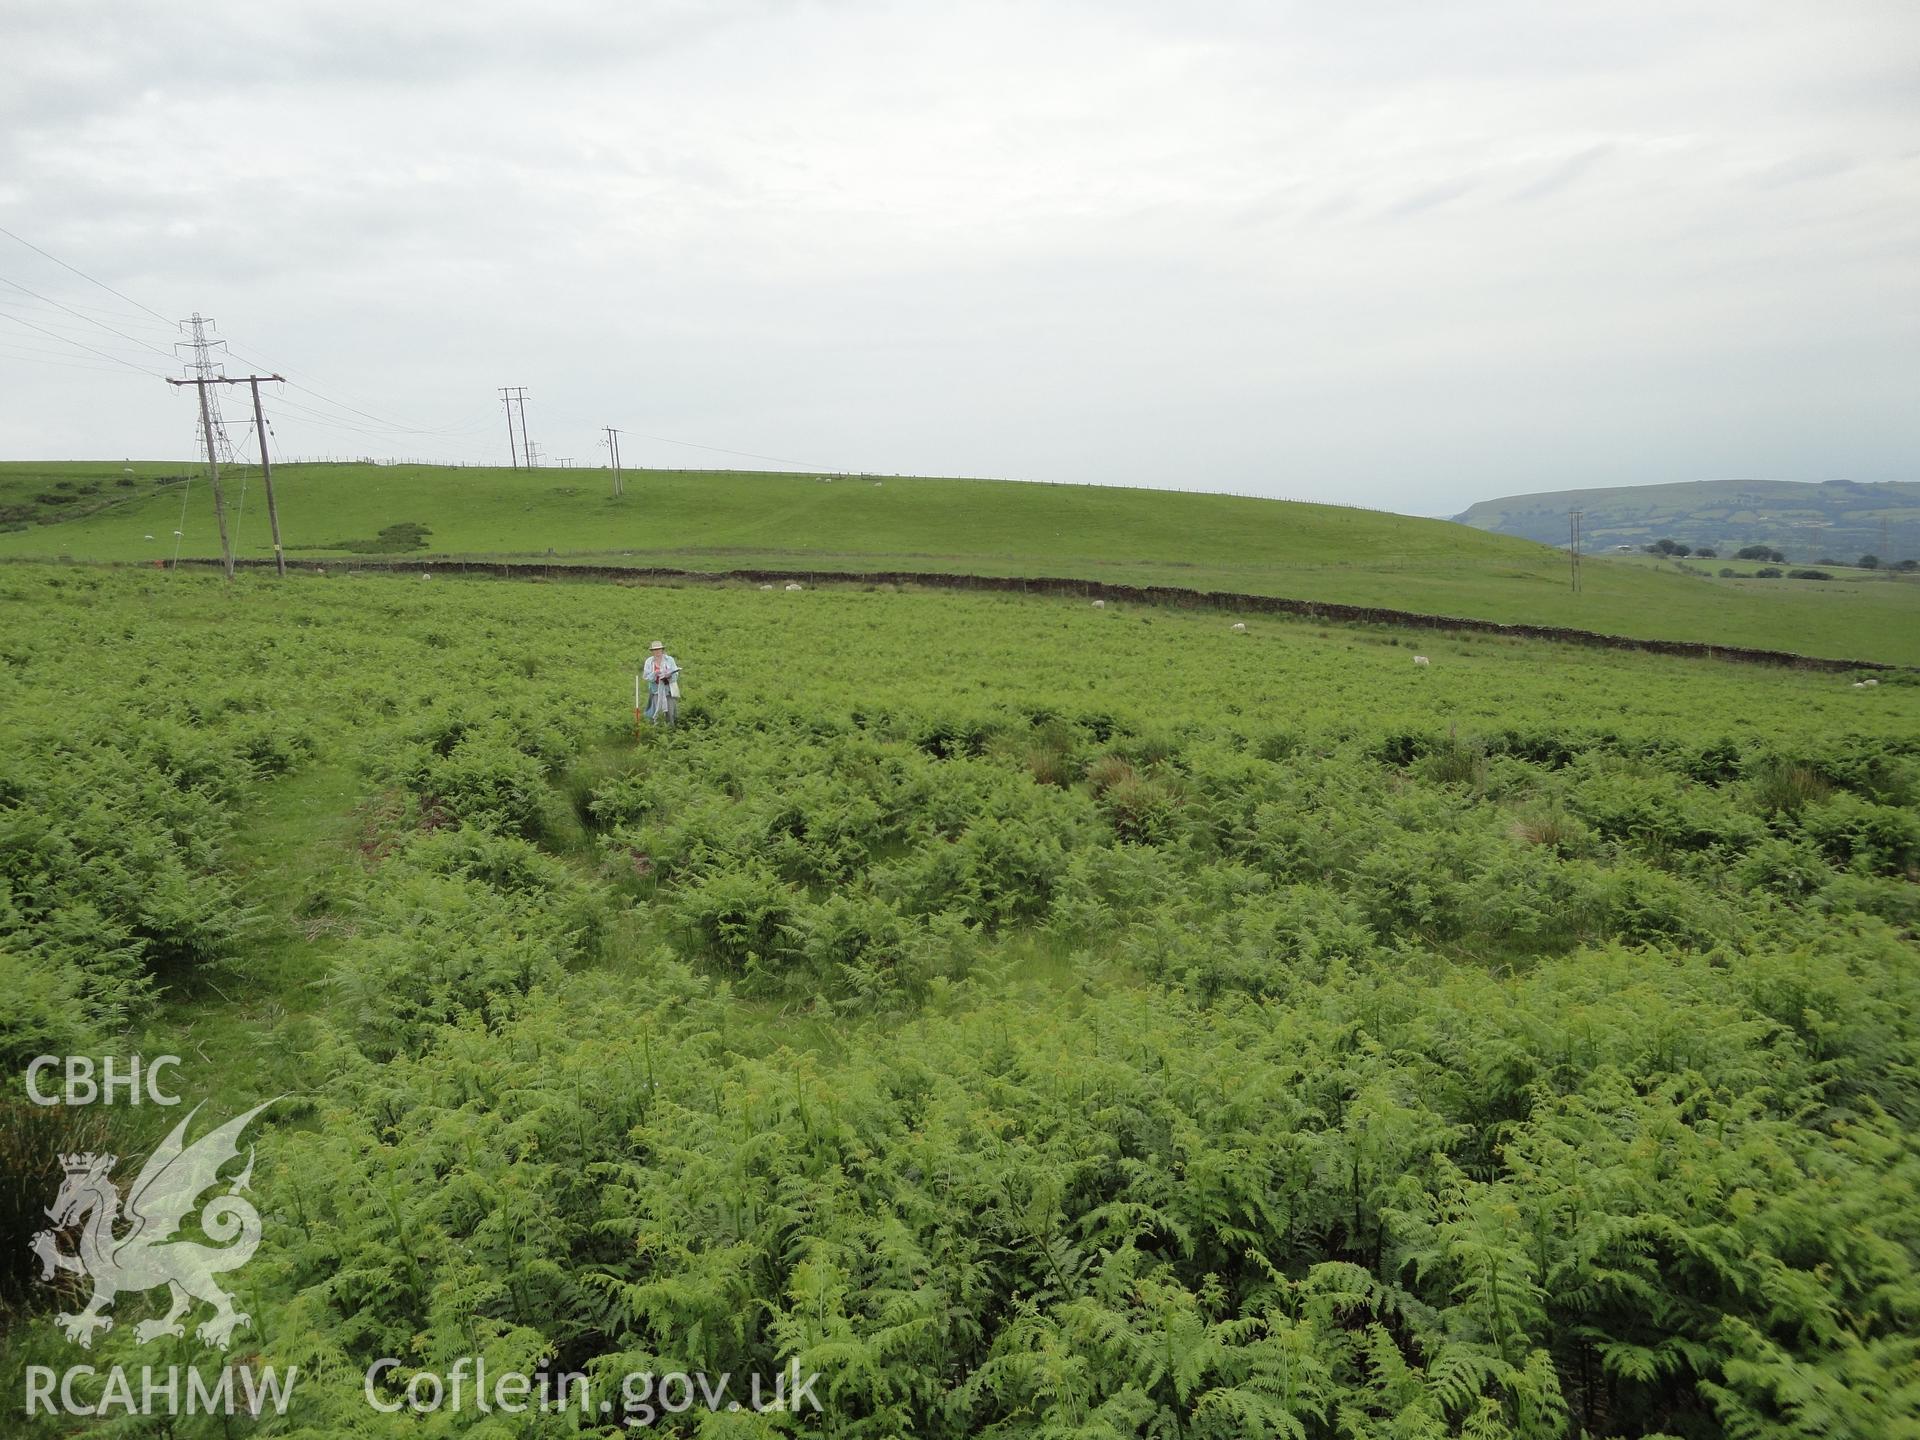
(709, 519)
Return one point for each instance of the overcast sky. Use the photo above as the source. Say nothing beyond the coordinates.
(1406, 255)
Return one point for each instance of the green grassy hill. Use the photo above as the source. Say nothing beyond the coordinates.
(1838, 519)
(720, 520)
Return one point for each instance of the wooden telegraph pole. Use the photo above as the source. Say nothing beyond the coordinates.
(507, 392)
(200, 384)
(266, 478)
(613, 451)
(213, 473)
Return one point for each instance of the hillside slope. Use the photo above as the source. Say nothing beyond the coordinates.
(1837, 519)
(720, 520)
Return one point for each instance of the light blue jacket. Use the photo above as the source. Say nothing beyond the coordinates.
(658, 676)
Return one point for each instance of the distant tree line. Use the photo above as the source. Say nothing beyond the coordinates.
(1675, 549)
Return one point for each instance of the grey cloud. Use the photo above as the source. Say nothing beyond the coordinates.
(1429, 197)
(1566, 173)
(1798, 169)
(1315, 249)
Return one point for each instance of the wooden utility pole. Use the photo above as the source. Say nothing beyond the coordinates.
(513, 450)
(200, 383)
(1573, 550)
(266, 478)
(213, 472)
(613, 451)
(526, 445)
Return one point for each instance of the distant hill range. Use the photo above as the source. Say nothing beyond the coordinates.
(1837, 519)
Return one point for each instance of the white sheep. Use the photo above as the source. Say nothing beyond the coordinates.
(1239, 627)
(1099, 604)
(1869, 683)
(1859, 684)
(1421, 660)
(795, 585)
(766, 587)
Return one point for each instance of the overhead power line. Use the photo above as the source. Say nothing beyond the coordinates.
(31, 344)
(386, 425)
(50, 357)
(84, 275)
(119, 313)
(87, 318)
(70, 341)
(328, 420)
(722, 450)
(138, 328)
(393, 426)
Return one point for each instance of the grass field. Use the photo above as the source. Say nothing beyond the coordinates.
(720, 520)
(1034, 1020)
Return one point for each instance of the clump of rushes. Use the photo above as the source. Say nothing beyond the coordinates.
(1049, 765)
(1048, 755)
(1790, 786)
(1458, 762)
(1551, 827)
(1107, 771)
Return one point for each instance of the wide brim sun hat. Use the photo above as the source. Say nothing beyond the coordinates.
(656, 645)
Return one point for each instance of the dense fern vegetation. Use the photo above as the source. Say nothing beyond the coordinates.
(1037, 1021)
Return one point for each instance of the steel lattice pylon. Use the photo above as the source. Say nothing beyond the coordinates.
(202, 365)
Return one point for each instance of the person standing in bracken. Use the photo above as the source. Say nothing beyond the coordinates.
(662, 674)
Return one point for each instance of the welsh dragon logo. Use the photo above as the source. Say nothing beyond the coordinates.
(147, 1255)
